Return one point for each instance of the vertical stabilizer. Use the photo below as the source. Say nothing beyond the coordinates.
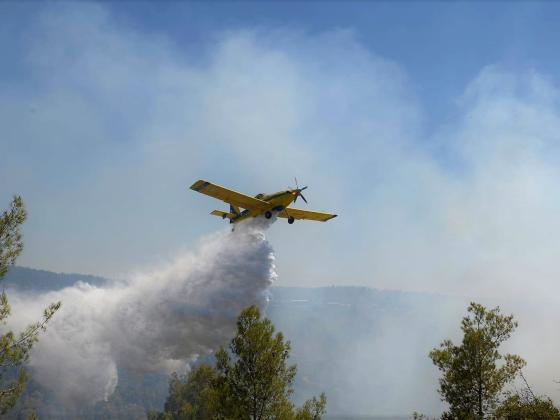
(234, 209)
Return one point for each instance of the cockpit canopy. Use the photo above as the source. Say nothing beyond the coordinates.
(259, 195)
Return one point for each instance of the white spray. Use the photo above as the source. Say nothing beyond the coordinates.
(158, 321)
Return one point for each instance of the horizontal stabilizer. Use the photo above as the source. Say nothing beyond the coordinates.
(223, 214)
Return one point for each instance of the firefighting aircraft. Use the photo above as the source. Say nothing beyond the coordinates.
(260, 204)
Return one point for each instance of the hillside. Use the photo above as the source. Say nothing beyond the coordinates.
(30, 279)
(340, 336)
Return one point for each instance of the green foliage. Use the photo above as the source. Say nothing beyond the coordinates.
(14, 349)
(525, 404)
(472, 380)
(11, 244)
(312, 409)
(255, 379)
(522, 406)
(251, 381)
(191, 398)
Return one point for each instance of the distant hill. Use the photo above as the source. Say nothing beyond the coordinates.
(29, 279)
(341, 337)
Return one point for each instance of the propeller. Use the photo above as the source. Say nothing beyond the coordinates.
(298, 192)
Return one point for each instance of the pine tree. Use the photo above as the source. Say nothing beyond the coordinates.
(474, 372)
(251, 381)
(14, 349)
(254, 379)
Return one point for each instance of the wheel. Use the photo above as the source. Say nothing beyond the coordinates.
(291, 220)
(268, 214)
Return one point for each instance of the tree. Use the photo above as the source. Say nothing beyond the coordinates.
(472, 380)
(14, 349)
(312, 409)
(251, 381)
(524, 404)
(193, 397)
(255, 381)
(11, 243)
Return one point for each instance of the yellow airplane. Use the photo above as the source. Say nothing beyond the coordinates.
(260, 204)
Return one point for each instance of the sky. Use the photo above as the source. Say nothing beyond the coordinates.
(431, 129)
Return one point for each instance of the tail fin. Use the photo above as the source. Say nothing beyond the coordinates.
(234, 209)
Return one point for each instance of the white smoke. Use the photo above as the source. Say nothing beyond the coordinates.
(157, 321)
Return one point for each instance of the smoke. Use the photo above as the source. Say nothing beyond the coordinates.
(462, 203)
(155, 321)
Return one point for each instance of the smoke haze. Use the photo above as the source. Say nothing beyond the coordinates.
(476, 184)
(156, 321)
(463, 203)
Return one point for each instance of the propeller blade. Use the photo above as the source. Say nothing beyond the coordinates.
(303, 198)
(297, 187)
(303, 188)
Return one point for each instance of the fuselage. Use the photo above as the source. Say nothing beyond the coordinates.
(278, 201)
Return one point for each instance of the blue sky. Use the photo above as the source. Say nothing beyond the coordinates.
(431, 128)
(441, 45)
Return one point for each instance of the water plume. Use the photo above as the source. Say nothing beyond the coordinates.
(154, 321)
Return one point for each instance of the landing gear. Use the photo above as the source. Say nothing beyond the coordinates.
(291, 220)
(268, 214)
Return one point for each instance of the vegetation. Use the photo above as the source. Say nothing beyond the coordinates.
(14, 349)
(472, 381)
(525, 404)
(251, 380)
(204, 394)
(195, 398)
(475, 373)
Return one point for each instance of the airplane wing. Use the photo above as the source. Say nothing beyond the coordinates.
(306, 214)
(229, 196)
